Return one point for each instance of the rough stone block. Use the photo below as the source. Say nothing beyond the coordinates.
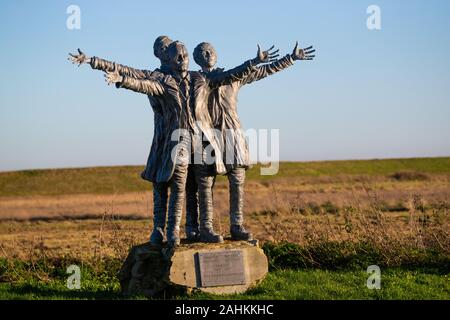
(226, 268)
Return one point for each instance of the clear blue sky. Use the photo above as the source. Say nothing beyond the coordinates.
(369, 94)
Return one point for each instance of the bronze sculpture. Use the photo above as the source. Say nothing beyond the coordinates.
(186, 104)
(222, 104)
(160, 187)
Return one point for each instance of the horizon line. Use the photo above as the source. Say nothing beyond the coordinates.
(254, 164)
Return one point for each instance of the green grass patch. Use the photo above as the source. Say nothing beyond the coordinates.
(278, 285)
(416, 167)
(349, 255)
(328, 271)
(396, 284)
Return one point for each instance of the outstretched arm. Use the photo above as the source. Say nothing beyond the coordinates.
(105, 65)
(217, 79)
(279, 65)
(151, 87)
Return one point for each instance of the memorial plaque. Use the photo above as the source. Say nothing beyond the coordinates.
(221, 268)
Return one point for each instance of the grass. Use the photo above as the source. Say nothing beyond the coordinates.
(347, 285)
(300, 284)
(354, 255)
(110, 180)
(320, 270)
(320, 223)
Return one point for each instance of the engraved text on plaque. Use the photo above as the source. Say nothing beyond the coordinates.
(221, 268)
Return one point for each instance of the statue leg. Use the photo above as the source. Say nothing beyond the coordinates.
(192, 214)
(177, 195)
(160, 193)
(236, 179)
(205, 177)
(178, 189)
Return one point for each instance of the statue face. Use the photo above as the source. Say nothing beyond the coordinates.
(208, 56)
(178, 57)
(161, 49)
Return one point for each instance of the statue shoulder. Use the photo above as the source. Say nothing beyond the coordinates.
(156, 74)
(218, 70)
(197, 76)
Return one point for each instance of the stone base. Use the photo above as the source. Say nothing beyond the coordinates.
(150, 270)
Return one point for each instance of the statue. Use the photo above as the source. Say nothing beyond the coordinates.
(222, 104)
(160, 188)
(187, 153)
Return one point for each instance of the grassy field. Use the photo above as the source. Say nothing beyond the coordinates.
(396, 284)
(321, 224)
(107, 180)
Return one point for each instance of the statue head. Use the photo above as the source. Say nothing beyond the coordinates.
(160, 48)
(205, 55)
(178, 56)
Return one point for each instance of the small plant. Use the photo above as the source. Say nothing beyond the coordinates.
(409, 176)
(329, 207)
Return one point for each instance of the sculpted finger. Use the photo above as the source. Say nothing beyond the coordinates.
(310, 51)
(310, 47)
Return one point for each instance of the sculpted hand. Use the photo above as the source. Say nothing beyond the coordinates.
(79, 58)
(112, 77)
(302, 54)
(266, 56)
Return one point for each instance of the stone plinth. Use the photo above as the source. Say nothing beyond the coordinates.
(226, 268)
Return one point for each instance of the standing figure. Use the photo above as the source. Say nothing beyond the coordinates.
(183, 93)
(222, 105)
(160, 188)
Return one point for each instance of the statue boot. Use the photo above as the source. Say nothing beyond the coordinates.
(239, 233)
(173, 238)
(157, 236)
(207, 235)
(236, 178)
(192, 233)
(205, 181)
(160, 192)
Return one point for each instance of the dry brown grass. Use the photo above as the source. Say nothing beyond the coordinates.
(340, 191)
(302, 210)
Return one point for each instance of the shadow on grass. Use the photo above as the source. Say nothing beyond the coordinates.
(31, 291)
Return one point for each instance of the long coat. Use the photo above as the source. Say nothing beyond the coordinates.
(222, 105)
(166, 91)
(156, 104)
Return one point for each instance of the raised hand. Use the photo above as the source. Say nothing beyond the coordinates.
(112, 77)
(302, 54)
(266, 56)
(79, 58)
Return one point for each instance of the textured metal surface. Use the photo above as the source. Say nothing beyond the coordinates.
(221, 268)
